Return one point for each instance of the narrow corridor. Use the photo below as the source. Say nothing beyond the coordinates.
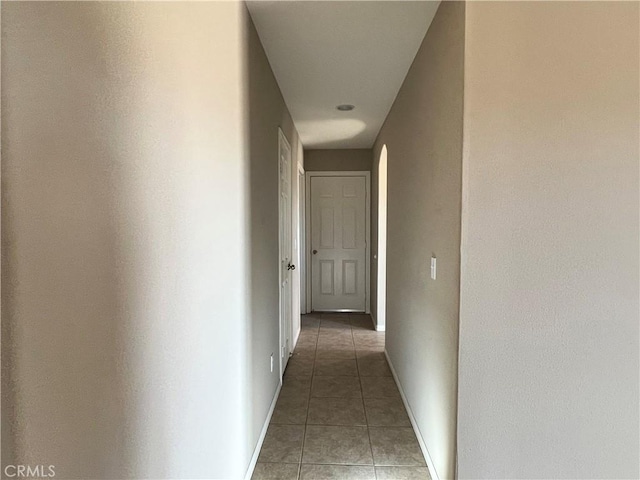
(339, 414)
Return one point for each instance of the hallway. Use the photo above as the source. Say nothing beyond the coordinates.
(339, 414)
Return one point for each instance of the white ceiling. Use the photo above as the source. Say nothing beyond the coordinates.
(326, 53)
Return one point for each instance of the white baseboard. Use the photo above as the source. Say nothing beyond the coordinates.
(263, 433)
(414, 424)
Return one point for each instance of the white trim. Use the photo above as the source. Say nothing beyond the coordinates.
(263, 434)
(302, 246)
(414, 424)
(367, 214)
(307, 237)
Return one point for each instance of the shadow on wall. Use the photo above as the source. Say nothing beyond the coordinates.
(266, 113)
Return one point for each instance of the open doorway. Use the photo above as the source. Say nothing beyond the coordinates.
(381, 307)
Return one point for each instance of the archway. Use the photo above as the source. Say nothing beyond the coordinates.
(381, 296)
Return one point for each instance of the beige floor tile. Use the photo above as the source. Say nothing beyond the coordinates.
(335, 333)
(275, 471)
(306, 339)
(395, 446)
(305, 350)
(295, 386)
(341, 343)
(361, 325)
(348, 353)
(402, 473)
(373, 365)
(361, 321)
(368, 342)
(341, 323)
(309, 322)
(337, 445)
(335, 315)
(291, 410)
(300, 365)
(386, 412)
(282, 444)
(336, 411)
(360, 351)
(336, 366)
(369, 334)
(337, 472)
(337, 382)
(367, 352)
(324, 348)
(372, 355)
(379, 387)
(331, 386)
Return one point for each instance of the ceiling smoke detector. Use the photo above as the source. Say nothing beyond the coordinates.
(345, 107)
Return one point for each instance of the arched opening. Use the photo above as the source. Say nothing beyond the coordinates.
(381, 306)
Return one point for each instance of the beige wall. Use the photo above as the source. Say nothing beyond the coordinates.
(357, 159)
(139, 234)
(549, 315)
(423, 135)
(267, 113)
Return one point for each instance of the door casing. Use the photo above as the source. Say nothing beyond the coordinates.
(302, 249)
(367, 176)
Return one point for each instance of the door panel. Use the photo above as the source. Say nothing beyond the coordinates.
(326, 228)
(338, 243)
(326, 277)
(349, 240)
(350, 277)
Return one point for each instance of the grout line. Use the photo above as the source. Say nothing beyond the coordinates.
(354, 351)
(353, 464)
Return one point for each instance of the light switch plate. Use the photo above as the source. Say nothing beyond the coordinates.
(433, 267)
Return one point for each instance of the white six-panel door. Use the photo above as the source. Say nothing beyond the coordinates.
(284, 169)
(338, 243)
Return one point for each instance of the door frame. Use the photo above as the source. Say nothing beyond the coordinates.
(367, 215)
(283, 352)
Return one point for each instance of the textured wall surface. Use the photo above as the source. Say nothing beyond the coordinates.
(124, 197)
(549, 325)
(423, 135)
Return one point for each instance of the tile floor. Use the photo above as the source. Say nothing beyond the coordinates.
(339, 414)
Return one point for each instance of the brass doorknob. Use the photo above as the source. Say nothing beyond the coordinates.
(315, 251)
